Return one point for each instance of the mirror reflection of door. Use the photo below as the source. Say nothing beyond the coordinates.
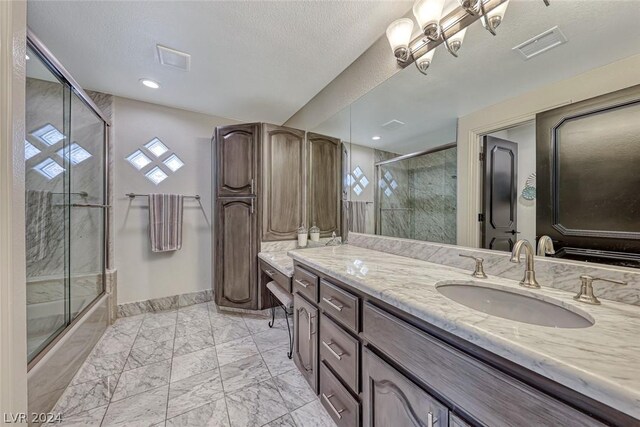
(499, 230)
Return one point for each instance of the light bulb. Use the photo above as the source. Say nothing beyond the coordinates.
(399, 36)
(428, 14)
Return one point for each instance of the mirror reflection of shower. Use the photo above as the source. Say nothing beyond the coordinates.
(416, 195)
(64, 201)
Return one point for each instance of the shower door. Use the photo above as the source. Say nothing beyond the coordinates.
(64, 201)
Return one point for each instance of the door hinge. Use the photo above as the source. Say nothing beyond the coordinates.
(481, 156)
(481, 217)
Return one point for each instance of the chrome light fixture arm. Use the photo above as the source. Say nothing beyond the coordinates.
(485, 20)
(452, 47)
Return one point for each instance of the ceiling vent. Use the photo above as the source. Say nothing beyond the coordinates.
(541, 43)
(393, 125)
(174, 58)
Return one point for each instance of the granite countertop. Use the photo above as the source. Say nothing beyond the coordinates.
(601, 361)
(278, 260)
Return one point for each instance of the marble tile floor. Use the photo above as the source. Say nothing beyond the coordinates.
(195, 366)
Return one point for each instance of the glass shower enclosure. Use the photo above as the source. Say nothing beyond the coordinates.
(416, 197)
(65, 199)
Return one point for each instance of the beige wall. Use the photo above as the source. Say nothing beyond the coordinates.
(13, 330)
(371, 68)
(142, 274)
(514, 111)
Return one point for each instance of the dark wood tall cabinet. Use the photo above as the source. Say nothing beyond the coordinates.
(324, 162)
(269, 180)
(236, 238)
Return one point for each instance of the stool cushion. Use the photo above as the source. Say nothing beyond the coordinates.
(281, 295)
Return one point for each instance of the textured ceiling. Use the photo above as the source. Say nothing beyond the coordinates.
(250, 60)
(488, 71)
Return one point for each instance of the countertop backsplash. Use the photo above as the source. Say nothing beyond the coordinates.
(551, 272)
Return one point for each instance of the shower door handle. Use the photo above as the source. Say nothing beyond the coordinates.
(88, 205)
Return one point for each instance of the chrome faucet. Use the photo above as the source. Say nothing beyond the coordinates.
(585, 294)
(529, 279)
(545, 246)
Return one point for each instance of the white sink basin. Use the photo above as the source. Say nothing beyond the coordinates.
(518, 305)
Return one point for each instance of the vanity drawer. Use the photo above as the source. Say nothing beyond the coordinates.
(276, 276)
(305, 283)
(339, 350)
(341, 406)
(490, 396)
(339, 304)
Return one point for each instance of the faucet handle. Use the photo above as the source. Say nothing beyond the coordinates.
(479, 270)
(585, 294)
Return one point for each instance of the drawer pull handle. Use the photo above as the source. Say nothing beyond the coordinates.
(332, 304)
(333, 408)
(309, 316)
(332, 351)
(270, 273)
(302, 283)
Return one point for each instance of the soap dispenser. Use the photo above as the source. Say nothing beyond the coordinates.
(302, 237)
(314, 232)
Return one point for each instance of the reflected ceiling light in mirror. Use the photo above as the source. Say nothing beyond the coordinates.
(428, 14)
(424, 62)
(376, 138)
(150, 83)
(399, 36)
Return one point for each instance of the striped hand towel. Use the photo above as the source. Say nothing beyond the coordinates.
(165, 222)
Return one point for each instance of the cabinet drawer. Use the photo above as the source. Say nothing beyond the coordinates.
(391, 399)
(275, 275)
(305, 283)
(341, 406)
(340, 304)
(490, 396)
(339, 350)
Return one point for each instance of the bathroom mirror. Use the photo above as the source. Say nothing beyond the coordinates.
(459, 155)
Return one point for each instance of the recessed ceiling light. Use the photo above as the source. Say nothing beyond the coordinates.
(150, 83)
(27, 56)
(376, 138)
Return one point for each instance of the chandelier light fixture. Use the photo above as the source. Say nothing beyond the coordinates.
(437, 28)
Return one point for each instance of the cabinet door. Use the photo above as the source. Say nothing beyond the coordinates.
(236, 253)
(283, 182)
(391, 399)
(305, 345)
(237, 159)
(324, 183)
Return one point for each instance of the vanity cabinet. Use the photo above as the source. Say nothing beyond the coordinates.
(283, 182)
(324, 183)
(237, 159)
(305, 341)
(379, 366)
(390, 399)
(236, 248)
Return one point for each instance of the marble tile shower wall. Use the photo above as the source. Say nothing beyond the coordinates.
(553, 273)
(423, 206)
(433, 192)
